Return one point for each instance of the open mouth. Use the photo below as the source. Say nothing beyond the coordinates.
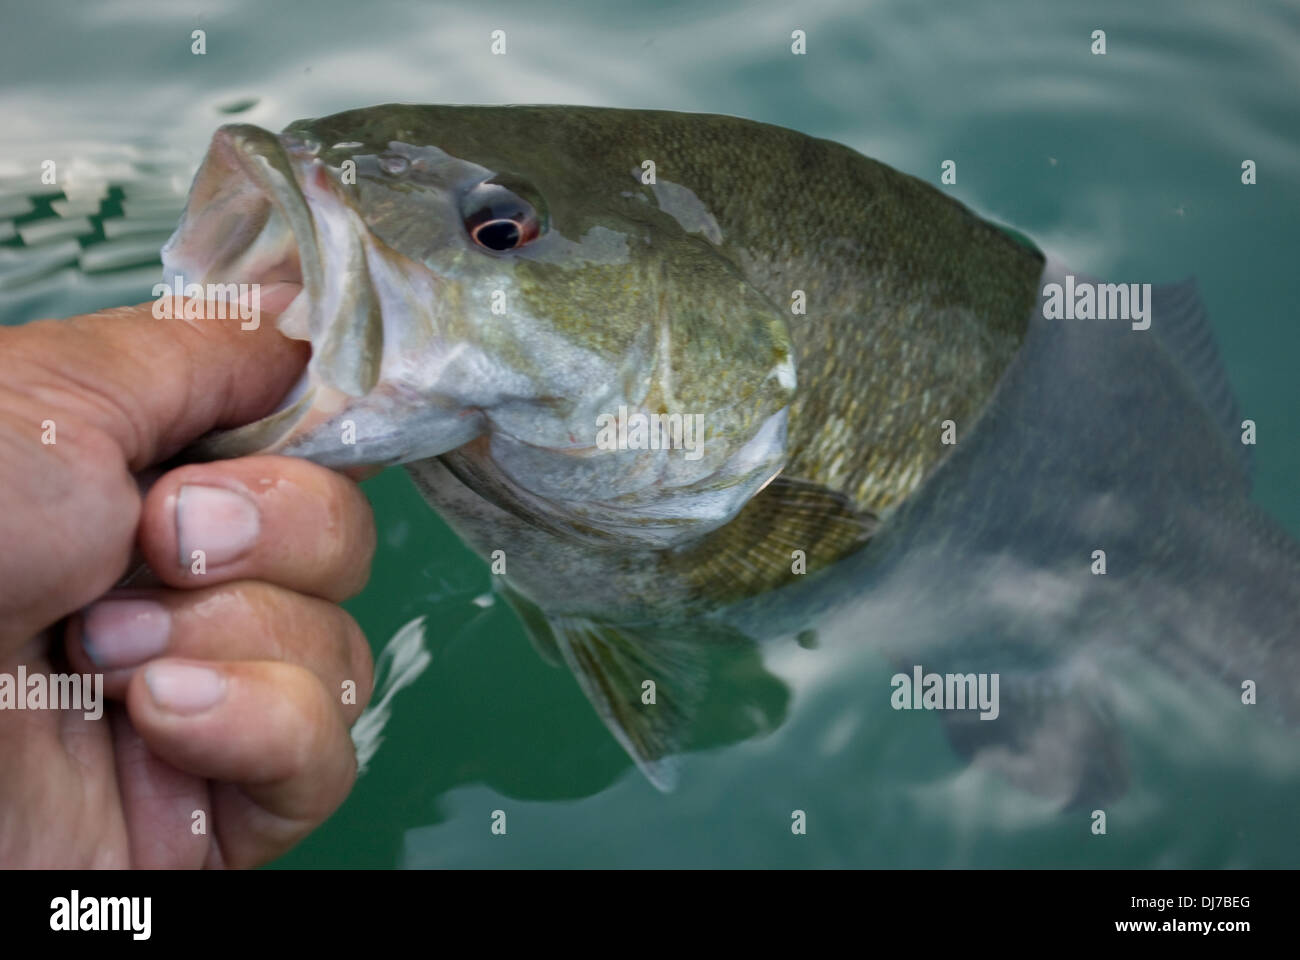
(247, 221)
(265, 210)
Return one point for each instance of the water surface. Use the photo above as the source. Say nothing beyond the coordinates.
(1125, 165)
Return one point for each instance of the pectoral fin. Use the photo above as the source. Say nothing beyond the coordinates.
(790, 528)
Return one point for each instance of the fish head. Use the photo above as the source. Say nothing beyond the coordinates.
(498, 284)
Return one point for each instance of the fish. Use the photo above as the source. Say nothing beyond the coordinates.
(693, 382)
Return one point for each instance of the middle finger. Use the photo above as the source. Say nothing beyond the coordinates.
(246, 620)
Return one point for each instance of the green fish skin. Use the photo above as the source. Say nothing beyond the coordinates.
(822, 313)
(833, 324)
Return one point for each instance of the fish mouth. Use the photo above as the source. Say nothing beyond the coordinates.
(248, 221)
(263, 210)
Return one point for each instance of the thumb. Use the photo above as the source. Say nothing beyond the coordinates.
(154, 385)
(89, 401)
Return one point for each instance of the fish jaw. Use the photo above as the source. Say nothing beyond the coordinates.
(263, 210)
(246, 219)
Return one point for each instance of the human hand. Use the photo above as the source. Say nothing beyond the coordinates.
(225, 739)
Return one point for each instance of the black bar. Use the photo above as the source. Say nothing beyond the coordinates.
(332, 909)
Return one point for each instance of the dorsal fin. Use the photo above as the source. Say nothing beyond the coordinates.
(1179, 319)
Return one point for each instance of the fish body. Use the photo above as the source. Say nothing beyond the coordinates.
(494, 293)
(1091, 542)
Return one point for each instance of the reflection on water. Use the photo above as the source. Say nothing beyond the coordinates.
(1125, 166)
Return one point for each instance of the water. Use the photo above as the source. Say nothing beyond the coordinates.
(1125, 165)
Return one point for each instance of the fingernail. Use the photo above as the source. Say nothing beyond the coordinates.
(184, 689)
(217, 521)
(122, 633)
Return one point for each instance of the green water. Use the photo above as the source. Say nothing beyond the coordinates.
(1125, 165)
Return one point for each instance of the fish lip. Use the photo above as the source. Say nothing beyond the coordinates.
(247, 177)
(265, 202)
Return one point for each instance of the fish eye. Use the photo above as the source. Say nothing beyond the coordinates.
(497, 235)
(498, 219)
